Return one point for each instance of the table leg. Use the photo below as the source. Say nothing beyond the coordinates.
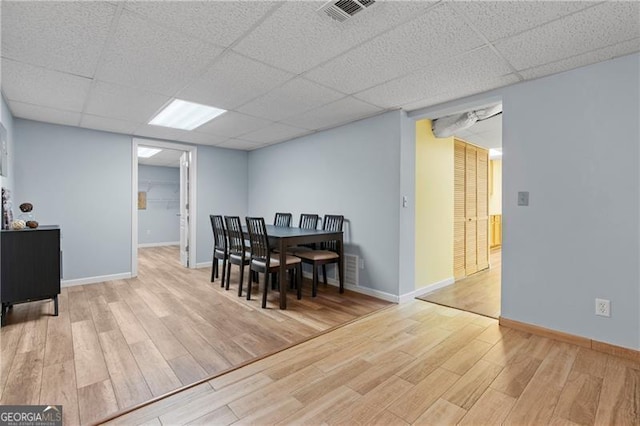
(283, 273)
(341, 263)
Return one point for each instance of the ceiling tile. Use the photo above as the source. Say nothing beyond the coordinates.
(124, 103)
(65, 36)
(159, 132)
(599, 55)
(232, 81)
(593, 28)
(457, 75)
(294, 97)
(339, 112)
(275, 133)
(498, 19)
(232, 124)
(40, 86)
(48, 115)
(434, 37)
(219, 22)
(239, 144)
(296, 38)
(108, 124)
(146, 56)
(460, 93)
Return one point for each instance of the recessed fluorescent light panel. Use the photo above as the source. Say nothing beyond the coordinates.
(495, 153)
(144, 152)
(185, 115)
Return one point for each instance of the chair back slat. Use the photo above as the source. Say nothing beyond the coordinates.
(332, 223)
(219, 233)
(282, 219)
(258, 238)
(308, 221)
(235, 234)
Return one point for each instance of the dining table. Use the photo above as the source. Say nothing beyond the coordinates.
(283, 237)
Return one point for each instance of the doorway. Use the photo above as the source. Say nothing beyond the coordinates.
(163, 200)
(459, 216)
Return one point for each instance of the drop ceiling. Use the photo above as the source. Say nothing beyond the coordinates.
(280, 68)
(164, 158)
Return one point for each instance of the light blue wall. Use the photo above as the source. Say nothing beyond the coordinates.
(160, 221)
(351, 170)
(81, 180)
(7, 121)
(222, 189)
(573, 141)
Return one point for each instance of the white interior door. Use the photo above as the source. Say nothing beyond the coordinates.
(184, 209)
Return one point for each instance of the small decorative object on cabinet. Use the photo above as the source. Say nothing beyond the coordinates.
(31, 266)
(27, 216)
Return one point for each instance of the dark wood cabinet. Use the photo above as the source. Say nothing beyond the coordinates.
(30, 266)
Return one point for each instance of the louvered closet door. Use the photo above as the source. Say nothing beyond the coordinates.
(459, 213)
(471, 210)
(482, 213)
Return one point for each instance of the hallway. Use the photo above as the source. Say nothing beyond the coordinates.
(478, 293)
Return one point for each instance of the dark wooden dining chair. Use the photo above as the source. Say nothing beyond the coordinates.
(220, 250)
(237, 251)
(282, 219)
(307, 221)
(327, 254)
(262, 260)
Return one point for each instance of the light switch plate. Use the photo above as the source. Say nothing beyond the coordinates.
(523, 198)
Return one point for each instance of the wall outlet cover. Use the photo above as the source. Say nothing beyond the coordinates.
(603, 307)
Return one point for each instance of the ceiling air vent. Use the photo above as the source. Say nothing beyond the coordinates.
(342, 10)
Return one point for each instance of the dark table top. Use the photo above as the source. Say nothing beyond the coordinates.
(290, 232)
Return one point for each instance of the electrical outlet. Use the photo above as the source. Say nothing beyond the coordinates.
(603, 307)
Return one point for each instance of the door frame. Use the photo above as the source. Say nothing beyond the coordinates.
(193, 152)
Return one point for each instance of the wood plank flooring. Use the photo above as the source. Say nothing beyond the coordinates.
(120, 343)
(478, 293)
(416, 363)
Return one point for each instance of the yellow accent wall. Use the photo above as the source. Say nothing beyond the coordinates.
(434, 206)
(495, 196)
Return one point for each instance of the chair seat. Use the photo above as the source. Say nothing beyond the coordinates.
(275, 262)
(318, 255)
(238, 257)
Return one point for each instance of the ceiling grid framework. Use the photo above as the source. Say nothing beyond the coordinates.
(281, 69)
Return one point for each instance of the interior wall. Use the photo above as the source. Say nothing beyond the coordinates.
(434, 207)
(351, 170)
(222, 189)
(81, 180)
(495, 195)
(159, 222)
(7, 121)
(572, 141)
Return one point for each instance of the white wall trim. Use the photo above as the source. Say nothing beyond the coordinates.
(200, 265)
(169, 243)
(426, 289)
(193, 208)
(93, 280)
(362, 290)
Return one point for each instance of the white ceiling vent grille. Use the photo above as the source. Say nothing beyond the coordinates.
(342, 10)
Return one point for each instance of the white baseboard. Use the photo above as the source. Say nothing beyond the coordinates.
(93, 280)
(362, 290)
(170, 243)
(208, 264)
(426, 289)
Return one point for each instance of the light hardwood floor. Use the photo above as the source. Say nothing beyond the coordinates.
(415, 363)
(120, 343)
(478, 293)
